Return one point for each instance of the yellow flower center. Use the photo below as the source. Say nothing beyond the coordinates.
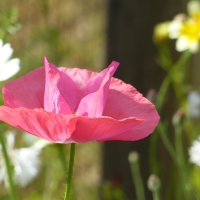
(191, 28)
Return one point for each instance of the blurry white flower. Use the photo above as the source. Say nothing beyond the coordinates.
(194, 104)
(187, 29)
(25, 161)
(194, 152)
(8, 67)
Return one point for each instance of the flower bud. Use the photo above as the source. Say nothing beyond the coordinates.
(133, 157)
(154, 183)
(161, 32)
(178, 117)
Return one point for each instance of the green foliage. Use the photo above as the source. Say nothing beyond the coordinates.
(9, 22)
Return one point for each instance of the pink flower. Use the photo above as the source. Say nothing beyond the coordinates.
(76, 105)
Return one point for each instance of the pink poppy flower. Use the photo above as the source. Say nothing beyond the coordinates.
(76, 105)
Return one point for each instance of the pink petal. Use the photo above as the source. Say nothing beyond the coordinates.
(96, 82)
(68, 90)
(95, 92)
(50, 126)
(125, 101)
(27, 91)
(53, 101)
(89, 129)
(80, 77)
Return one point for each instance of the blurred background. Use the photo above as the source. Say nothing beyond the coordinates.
(90, 34)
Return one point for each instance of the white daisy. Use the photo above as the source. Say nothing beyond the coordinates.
(194, 152)
(25, 161)
(8, 67)
(187, 29)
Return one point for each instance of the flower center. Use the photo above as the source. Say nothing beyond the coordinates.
(191, 28)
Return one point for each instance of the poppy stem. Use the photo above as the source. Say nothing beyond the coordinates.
(70, 171)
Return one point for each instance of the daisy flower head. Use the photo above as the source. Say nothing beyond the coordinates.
(194, 152)
(8, 67)
(25, 161)
(187, 29)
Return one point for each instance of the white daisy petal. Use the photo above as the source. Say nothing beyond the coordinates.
(10, 140)
(5, 53)
(174, 29)
(25, 161)
(194, 46)
(9, 69)
(1, 43)
(182, 43)
(26, 165)
(193, 7)
(41, 143)
(194, 152)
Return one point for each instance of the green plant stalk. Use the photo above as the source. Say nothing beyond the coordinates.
(137, 180)
(165, 57)
(169, 78)
(154, 163)
(187, 187)
(11, 184)
(70, 172)
(156, 195)
(166, 141)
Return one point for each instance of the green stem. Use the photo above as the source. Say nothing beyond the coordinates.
(169, 78)
(154, 164)
(137, 180)
(187, 187)
(156, 195)
(166, 141)
(70, 172)
(12, 192)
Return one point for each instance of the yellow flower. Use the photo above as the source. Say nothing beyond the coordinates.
(187, 29)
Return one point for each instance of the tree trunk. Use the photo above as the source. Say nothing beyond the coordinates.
(129, 41)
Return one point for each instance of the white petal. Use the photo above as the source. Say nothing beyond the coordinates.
(1, 43)
(174, 29)
(41, 143)
(29, 139)
(5, 53)
(182, 44)
(193, 7)
(194, 46)
(194, 152)
(10, 140)
(3, 174)
(26, 165)
(9, 69)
